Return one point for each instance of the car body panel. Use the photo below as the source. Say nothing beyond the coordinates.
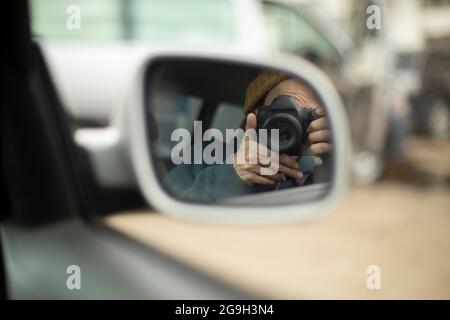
(111, 266)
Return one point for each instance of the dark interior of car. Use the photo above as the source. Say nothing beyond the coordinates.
(212, 83)
(43, 189)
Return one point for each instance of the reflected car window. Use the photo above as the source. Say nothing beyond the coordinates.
(290, 32)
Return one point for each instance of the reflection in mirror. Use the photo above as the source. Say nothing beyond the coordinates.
(227, 133)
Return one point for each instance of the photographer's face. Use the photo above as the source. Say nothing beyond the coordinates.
(294, 88)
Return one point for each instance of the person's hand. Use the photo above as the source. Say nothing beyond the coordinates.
(319, 135)
(255, 156)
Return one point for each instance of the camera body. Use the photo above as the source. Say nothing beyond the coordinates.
(292, 121)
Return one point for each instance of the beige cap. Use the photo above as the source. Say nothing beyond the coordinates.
(260, 86)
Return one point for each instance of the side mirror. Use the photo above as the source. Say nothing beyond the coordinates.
(197, 154)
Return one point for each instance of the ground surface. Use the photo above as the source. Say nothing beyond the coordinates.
(401, 225)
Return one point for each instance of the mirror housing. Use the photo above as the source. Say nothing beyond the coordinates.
(132, 122)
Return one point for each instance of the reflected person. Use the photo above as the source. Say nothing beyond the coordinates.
(208, 183)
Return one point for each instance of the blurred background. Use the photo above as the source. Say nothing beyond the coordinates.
(393, 75)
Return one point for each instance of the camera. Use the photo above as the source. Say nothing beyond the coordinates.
(292, 121)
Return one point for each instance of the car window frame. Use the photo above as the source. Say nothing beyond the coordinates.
(304, 17)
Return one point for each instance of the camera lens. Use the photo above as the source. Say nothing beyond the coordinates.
(285, 132)
(289, 130)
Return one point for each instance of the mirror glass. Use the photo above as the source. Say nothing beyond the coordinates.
(226, 133)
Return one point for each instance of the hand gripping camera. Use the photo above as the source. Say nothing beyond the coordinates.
(292, 121)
